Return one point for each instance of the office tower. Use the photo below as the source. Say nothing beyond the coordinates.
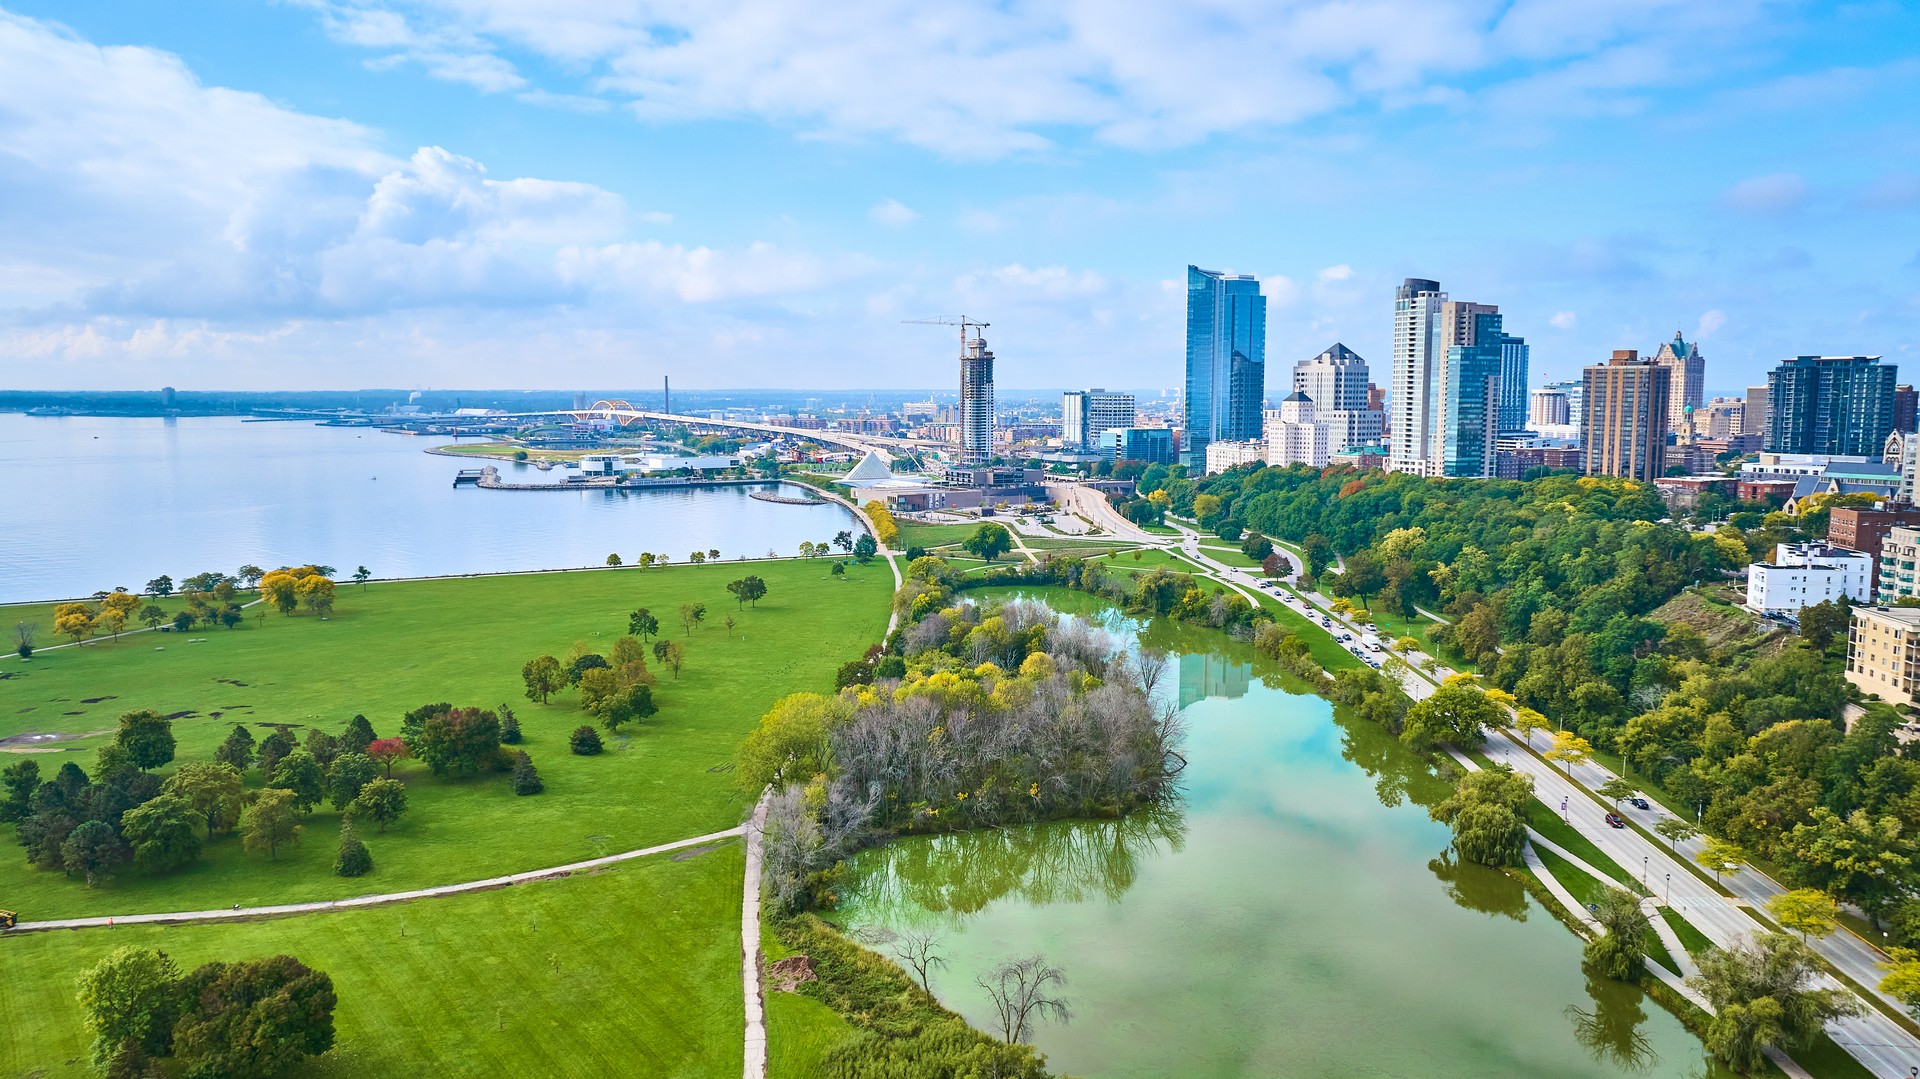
(1416, 355)
(976, 403)
(1337, 379)
(1831, 405)
(1550, 408)
(1086, 413)
(1688, 380)
(1153, 445)
(1624, 426)
(1467, 392)
(1753, 419)
(1725, 417)
(1514, 355)
(1906, 409)
(1226, 361)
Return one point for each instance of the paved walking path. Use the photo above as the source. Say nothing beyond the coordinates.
(182, 916)
(756, 1056)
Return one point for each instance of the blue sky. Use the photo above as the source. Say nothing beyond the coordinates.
(564, 193)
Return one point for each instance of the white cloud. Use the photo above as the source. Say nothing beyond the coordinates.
(1779, 193)
(984, 78)
(1018, 283)
(1341, 272)
(1710, 323)
(1563, 320)
(893, 213)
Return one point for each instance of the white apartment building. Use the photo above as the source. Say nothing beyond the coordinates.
(1417, 362)
(1224, 455)
(1883, 652)
(1803, 574)
(1296, 435)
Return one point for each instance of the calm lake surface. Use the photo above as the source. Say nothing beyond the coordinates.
(93, 503)
(1297, 915)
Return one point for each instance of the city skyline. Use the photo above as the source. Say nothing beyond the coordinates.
(467, 195)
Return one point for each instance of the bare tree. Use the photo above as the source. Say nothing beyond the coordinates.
(919, 949)
(23, 633)
(1021, 990)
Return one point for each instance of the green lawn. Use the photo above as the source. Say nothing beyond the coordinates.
(1588, 891)
(629, 971)
(399, 645)
(41, 614)
(1230, 556)
(799, 1029)
(919, 535)
(1327, 652)
(1543, 819)
(1693, 940)
(1053, 543)
(1393, 626)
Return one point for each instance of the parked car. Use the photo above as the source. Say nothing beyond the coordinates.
(1639, 802)
(1614, 821)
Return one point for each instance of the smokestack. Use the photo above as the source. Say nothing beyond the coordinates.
(666, 395)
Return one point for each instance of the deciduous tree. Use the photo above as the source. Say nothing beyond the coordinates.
(300, 774)
(255, 1018)
(164, 833)
(748, 589)
(1762, 996)
(1569, 749)
(94, 850)
(381, 801)
(131, 998)
(1806, 911)
(1620, 951)
(642, 623)
(215, 792)
(989, 542)
(1025, 991)
(272, 820)
(543, 677)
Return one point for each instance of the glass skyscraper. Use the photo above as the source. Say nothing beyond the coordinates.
(1470, 401)
(1513, 383)
(1830, 404)
(1226, 361)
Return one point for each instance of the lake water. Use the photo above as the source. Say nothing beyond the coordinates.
(1296, 915)
(93, 503)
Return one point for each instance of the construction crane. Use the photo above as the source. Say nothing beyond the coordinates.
(962, 321)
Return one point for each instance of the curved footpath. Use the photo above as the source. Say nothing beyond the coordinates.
(183, 916)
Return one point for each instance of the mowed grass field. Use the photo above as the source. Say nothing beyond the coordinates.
(396, 646)
(626, 972)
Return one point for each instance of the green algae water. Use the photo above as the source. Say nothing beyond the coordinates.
(1295, 914)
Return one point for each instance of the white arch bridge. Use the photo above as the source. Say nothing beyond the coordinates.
(627, 415)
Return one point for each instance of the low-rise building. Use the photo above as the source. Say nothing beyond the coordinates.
(1295, 434)
(1865, 530)
(1803, 574)
(1883, 652)
(1899, 551)
(1225, 455)
(1154, 445)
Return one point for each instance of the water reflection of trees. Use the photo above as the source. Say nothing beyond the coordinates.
(1610, 1032)
(1479, 888)
(958, 875)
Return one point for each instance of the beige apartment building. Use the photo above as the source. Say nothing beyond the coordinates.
(1624, 417)
(1883, 652)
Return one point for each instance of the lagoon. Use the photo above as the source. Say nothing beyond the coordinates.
(95, 503)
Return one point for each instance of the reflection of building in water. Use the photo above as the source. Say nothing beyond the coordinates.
(1204, 676)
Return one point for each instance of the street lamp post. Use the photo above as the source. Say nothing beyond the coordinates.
(1644, 859)
(1669, 889)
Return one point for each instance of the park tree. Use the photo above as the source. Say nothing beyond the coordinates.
(1862, 858)
(316, 594)
(1457, 713)
(214, 791)
(843, 539)
(582, 663)
(152, 615)
(748, 589)
(613, 560)
(526, 780)
(1902, 980)
(988, 542)
(1614, 790)
(920, 950)
(273, 748)
(352, 859)
(324, 747)
(350, 773)
(642, 624)
(1276, 565)
(1719, 856)
(458, 741)
(1485, 813)
(1569, 749)
(1256, 546)
(255, 1018)
(883, 523)
(1620, 951)
(1806, 911)
(691, 615)
(160, 586)
(250, 574)
(1763, 996)
(361, 576)
(670, 653)
(18, 781)
(94, 850)
(381, 801)
(164, 833)
(1025, 991)
(74, 620)
(237, 750)
(864, 549)
(789, 745)
(131, 1000)
(278, 590)
(386, 752)
(23, 638)
(358, 735)
(543, 677)
(1674, 831)
(585, 741)
(272, 821)
(300, 774)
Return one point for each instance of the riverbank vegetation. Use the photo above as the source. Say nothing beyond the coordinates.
(382, 654)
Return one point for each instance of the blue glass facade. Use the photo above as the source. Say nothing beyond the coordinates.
(1226, 361)
(1513, 383)
(1471, 411)
(1154, 445)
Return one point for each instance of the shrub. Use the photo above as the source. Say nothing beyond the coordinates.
(585, 741)
(353, 859)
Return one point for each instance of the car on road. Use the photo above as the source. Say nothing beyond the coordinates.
(1614, 821)
(1639, 803)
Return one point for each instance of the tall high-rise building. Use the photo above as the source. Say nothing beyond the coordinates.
(1467, 394)
(1624, 426)
(1514, 355)
(1754, 418)
(1086, 413)
(1576, 391)
(1831, 405)
(1906, 409)
(976, 403)
(1550, 408)
(1417, 356)
(1226, 361)
(1688, 383)
(1337, 379)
